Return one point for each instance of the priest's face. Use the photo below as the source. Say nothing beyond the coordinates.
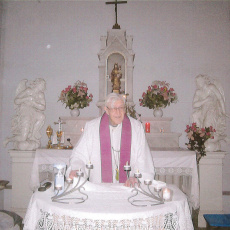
(116, 112)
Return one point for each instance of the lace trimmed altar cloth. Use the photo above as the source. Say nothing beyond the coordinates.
(107, 207)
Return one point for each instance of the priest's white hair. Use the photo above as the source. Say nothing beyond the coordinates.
(112, 98)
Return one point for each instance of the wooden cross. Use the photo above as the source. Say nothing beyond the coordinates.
(116, 26)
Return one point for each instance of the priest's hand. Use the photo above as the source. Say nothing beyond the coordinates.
(131, 182)
(73, 174)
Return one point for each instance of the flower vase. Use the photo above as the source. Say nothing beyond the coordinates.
(158, 112)
(74, 112)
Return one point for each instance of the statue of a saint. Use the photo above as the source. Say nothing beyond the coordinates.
(116, 75)
(209, 109)
(29, 119)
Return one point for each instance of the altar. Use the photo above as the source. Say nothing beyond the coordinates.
(107, 207)
(174, 167)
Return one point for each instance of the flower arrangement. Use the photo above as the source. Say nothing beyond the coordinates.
(197, 137)
(76, 96)
(158, 95)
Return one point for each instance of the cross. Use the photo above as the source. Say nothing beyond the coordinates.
(116, 26)
(59, 123)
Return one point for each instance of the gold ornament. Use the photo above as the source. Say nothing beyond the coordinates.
(49, 132)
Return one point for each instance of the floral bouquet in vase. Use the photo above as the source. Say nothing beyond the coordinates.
(158, 96)
(197, 138)
(76, 97)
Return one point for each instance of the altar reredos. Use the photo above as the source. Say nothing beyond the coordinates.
(116, 47)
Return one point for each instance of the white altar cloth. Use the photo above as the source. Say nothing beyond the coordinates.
(107, 207)
(166, 162)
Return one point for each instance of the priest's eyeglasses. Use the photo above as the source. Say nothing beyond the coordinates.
(120, 109)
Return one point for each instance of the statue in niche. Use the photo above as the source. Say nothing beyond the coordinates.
(116, 75)
(30, 105)
(209, 109)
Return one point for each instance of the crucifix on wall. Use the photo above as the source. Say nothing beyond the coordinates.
(116, 26)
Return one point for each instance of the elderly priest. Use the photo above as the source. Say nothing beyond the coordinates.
(109, 142)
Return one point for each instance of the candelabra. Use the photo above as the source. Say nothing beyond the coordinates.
(155, 197)
(79, 187)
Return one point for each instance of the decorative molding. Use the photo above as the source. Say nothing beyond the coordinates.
(226, 193)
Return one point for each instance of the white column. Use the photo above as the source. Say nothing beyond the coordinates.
(210, 172)
(22, 162)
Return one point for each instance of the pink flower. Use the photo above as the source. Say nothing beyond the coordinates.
(91, 95)
(155, 86)
(171, 89)
(189, 134)
(202, 134)
(141, 104)
(74, 90)
(149, 88)
(165, 95)
(143, 94)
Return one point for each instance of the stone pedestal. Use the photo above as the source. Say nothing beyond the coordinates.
(160, 135)
(22, 162)
(210, 172)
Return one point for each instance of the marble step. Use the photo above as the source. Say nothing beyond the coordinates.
(163, 140)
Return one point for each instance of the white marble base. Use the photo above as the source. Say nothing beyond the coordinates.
(22, 162)
(210, 172)
(160, 135)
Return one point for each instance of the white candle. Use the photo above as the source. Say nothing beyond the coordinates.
(166, 194)
(82, 129)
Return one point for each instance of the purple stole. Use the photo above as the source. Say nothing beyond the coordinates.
(106, 155)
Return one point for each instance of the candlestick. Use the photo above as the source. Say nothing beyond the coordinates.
(69, 181)
(89, 166)
(127, 167)
(137, 174)
(80, 173)
(147, 127)
(147, 182)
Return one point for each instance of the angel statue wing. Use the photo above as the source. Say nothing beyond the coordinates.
(21, 87)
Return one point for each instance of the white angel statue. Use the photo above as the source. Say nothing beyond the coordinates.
(209, 109)
(26, 124)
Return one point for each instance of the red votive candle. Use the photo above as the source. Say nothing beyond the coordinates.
(147, 127)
